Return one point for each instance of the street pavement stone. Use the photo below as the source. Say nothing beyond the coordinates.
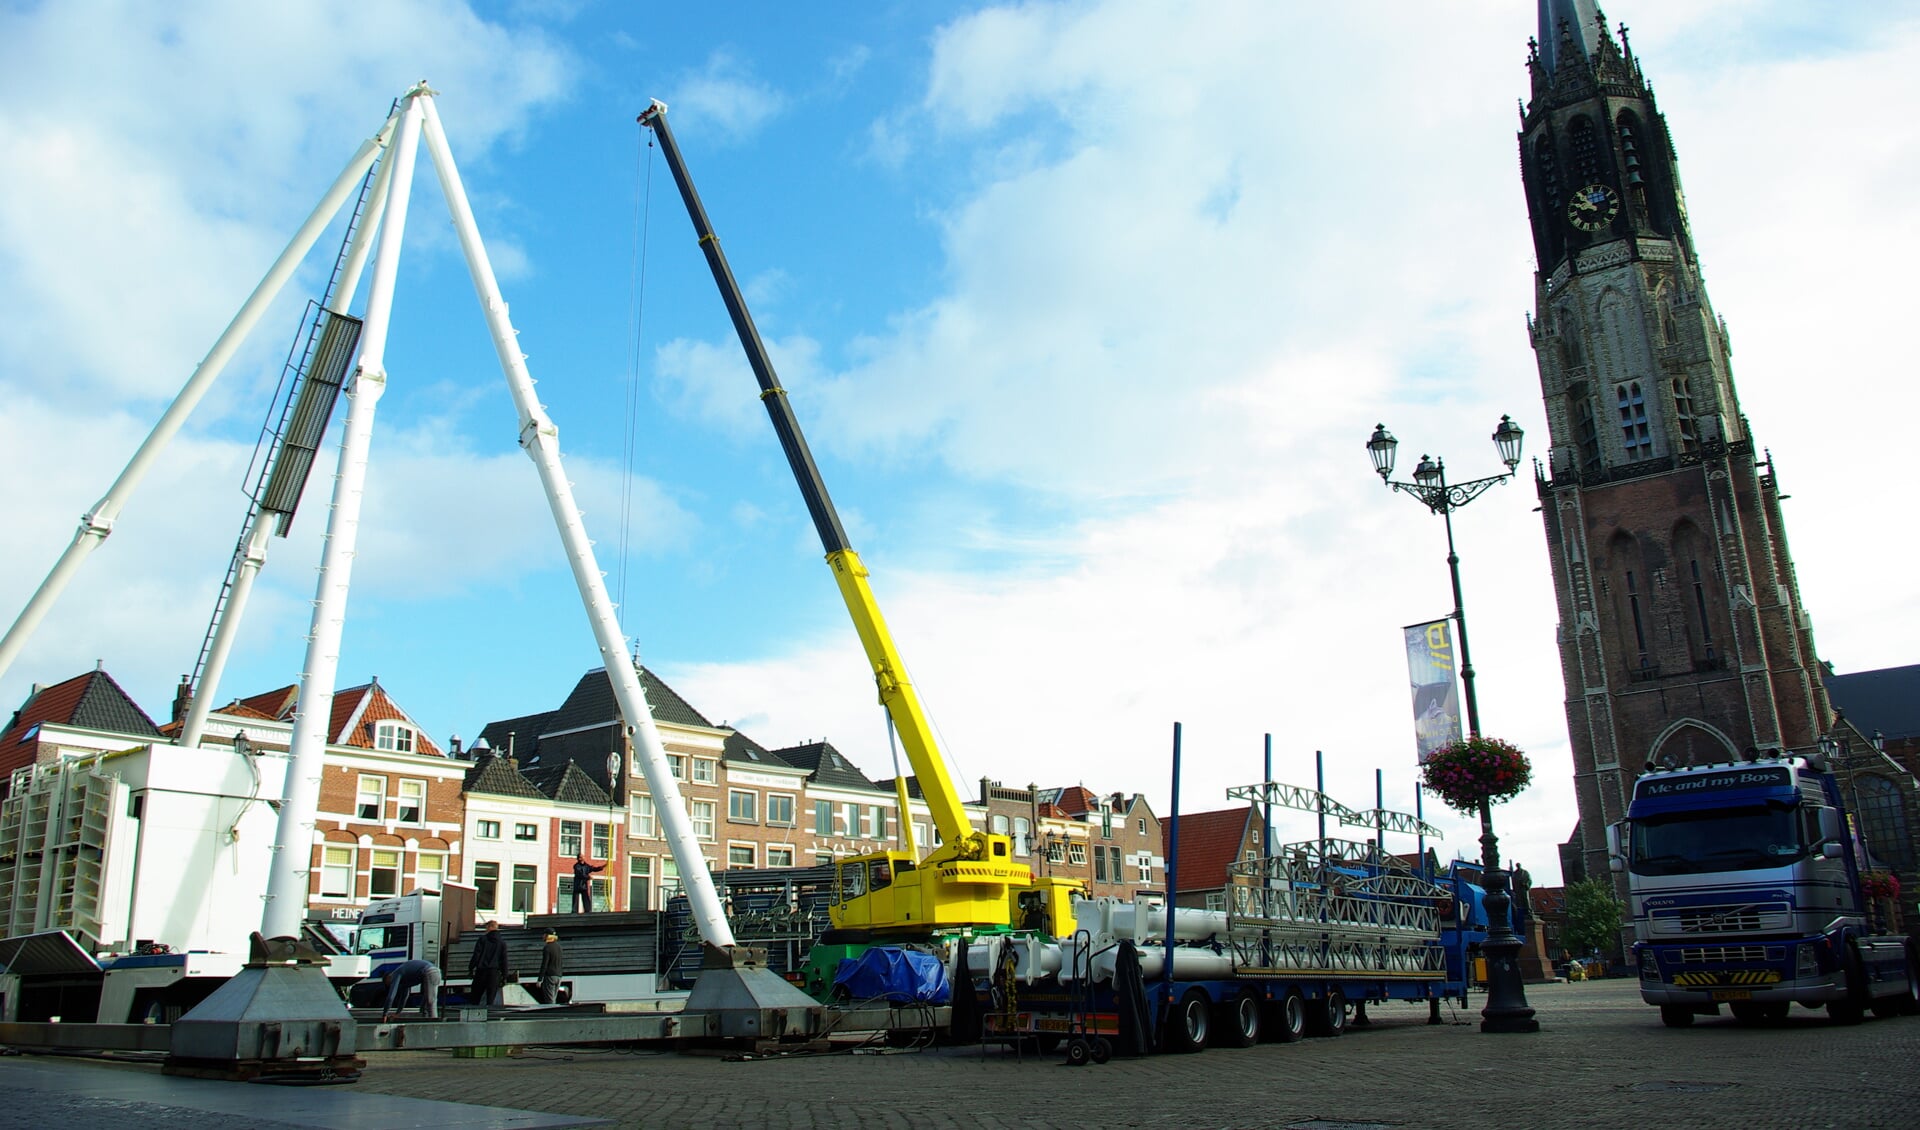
(1602, 1058)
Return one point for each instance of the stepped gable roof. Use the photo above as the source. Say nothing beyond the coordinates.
(499, 776)
(92, 701)
(743, 750)
(567, 783)
(1887, 700)
(826, 766)
(356, 710)
(1209, 842)
(525, 729)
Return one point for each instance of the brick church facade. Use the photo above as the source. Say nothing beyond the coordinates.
(1682, 634)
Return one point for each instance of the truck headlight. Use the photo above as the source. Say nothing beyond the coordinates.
(1649, 968)
(1806, 964)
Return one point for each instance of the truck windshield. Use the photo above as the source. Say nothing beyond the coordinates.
(381, 938)
(1722, 839)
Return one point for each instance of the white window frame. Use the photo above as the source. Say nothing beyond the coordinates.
(600, 839)
(393, 736)
(640, 870)
(1077, 854)
(577, 838)
(379, 789)
(334, 867)
(642, 819)
(700, 812)
(706, 771)
(774, 799)
(486, 897)
(526, 832)
(516, 883)
(402, 787)
(431, 878)
(374, 867)
(784, 849)
(752, 851)
(677, 766)
(486, 829)
(743, 806)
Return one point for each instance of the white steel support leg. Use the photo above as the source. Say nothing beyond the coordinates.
(541, 439)
(97, 523)
(287, 885)
(259, 537)
(253, 556)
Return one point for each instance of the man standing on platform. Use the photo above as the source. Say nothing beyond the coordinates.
(583, 883)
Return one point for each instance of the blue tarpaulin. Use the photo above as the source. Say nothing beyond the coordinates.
(899, 976)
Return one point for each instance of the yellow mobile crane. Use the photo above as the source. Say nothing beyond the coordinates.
(970, 883)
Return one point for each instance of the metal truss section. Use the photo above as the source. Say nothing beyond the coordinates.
(1312, 800)
(1337, 953)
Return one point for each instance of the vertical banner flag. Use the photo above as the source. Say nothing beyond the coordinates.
(1436, 697)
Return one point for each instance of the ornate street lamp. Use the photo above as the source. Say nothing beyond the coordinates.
(1507, 1009)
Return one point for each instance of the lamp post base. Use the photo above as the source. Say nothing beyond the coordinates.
(1507, 1009)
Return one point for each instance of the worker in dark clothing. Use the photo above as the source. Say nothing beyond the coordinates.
(403, 979)
(488, 966)
(551, 968)
(583, 883)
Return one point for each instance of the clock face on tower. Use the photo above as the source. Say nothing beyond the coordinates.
(1593, 207)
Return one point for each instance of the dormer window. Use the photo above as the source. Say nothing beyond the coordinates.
(395, 737)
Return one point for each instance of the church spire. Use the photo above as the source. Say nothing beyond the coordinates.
(1568, 31)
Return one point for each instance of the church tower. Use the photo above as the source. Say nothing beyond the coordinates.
(1682, 636)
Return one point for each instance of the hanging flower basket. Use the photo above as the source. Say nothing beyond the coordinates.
(1475, 769)
(1880, 885)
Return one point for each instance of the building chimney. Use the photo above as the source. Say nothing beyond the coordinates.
(182, 699)
(453, 748)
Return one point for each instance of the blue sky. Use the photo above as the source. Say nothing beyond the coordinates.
(1086, 309)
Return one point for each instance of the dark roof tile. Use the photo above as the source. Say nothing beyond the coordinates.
(1887, 700)
(499, 776)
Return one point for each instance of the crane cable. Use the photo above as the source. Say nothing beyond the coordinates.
(636, 322)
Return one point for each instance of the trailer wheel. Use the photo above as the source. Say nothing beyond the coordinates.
(1910, 1000)
(1288, 1019)
(1188, 1024)
(1676, 1016)
(1329, 1014)
(1102, 1050)
(1079, 1053)
(1239, 1021)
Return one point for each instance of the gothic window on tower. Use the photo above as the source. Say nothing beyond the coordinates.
(1585, 149)
(1573, 355)
(1589, 435)
(1645, 668)
(1636, 432)
(1683, 416)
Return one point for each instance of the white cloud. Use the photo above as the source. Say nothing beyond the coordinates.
(1206, 248)
(726, 95)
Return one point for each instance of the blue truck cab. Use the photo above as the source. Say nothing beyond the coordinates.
(1744, 884)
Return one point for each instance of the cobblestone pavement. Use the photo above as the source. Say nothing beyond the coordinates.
(1602, 1059)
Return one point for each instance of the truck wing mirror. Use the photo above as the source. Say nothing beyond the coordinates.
(1829, 824)
(1831, 849)
(1615, 864)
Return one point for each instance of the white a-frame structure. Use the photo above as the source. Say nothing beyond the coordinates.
(397, 141)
